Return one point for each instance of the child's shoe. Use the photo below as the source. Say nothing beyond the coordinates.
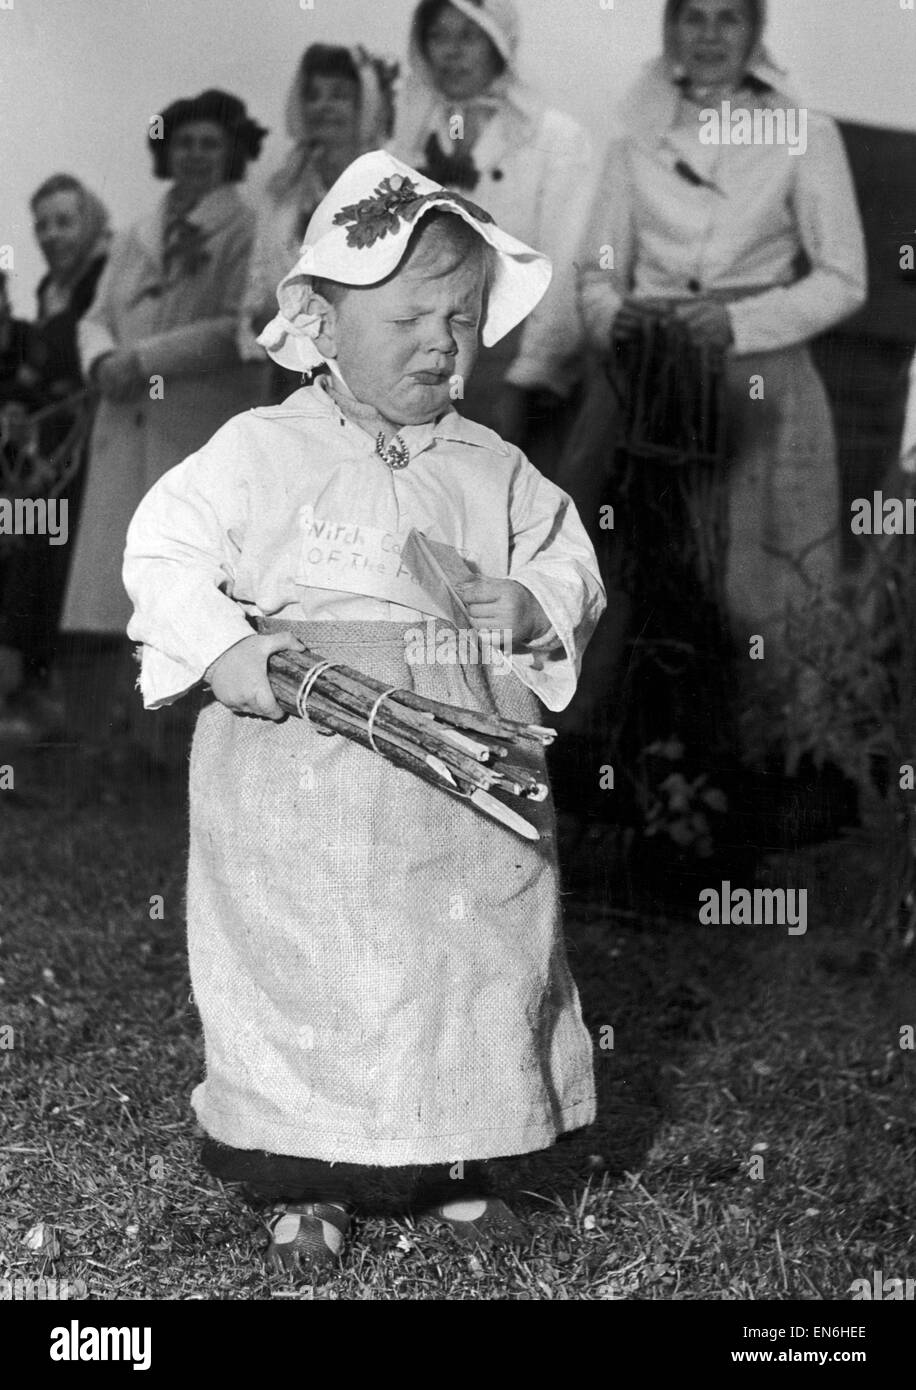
(306, 1237)
(482, 1222)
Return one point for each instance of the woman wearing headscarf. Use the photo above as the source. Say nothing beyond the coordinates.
(467, 120)
(706, 243)
(159, 342)
(72, 229)
(340, 105)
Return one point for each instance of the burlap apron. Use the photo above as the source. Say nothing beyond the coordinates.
(379, 968)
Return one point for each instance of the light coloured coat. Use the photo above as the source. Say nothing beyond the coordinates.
(184, 335)
(537, 177)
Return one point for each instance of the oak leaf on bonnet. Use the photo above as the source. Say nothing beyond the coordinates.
(394, 198)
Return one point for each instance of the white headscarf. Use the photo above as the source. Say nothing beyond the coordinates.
(759, 62)
(423, 109)
(297, 175)
(95, 241)
(650, 106)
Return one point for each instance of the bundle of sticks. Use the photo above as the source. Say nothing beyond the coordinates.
(671, 391)
(461, 751)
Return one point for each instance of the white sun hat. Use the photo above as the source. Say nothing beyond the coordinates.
(358, 235)
(499, 21)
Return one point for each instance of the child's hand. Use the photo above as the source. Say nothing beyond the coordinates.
(497, 604)
(238, 678)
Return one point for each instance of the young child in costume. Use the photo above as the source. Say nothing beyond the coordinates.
(379, 969)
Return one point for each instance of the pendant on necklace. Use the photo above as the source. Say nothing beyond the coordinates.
(396, 454)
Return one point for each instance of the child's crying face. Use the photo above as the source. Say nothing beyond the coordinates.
(406, 345)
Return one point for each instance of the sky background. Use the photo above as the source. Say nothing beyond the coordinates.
(79, 79)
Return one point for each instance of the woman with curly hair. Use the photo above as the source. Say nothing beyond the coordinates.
(160, 342)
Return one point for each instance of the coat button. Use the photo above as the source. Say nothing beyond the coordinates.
(497, 175)
(694, 285)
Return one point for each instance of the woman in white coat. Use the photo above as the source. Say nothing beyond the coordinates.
(160, 339)
(750, 246)
(467, 120)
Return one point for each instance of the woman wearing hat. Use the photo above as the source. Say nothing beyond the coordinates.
(160, 339)
(466, 119)
(339, 106)
(737, 251)
(72, 229)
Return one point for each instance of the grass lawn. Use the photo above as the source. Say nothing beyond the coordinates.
(731, 1045)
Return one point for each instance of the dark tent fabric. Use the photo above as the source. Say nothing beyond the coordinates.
(865, 361)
